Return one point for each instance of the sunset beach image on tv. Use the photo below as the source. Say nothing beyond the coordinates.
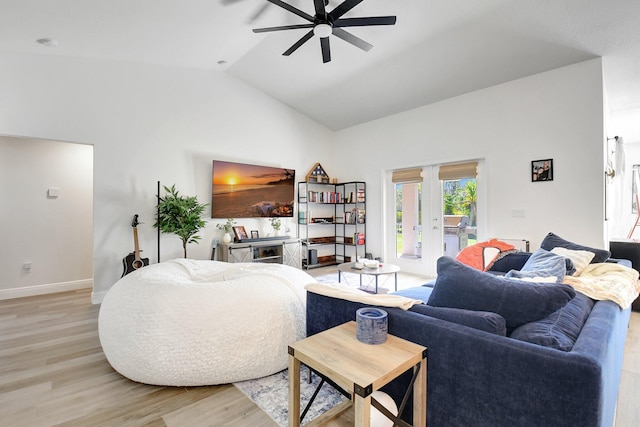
(245, 191)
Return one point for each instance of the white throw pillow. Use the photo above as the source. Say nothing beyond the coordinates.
(580, 259)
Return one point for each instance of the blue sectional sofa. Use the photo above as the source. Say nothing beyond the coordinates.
(479, 375)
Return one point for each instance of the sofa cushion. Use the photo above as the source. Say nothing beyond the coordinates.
(516, 260)
(519, 302)
(579, 258)
(511, 261)
(542, 263)
(552, 240)
(482, 320)
(561, 328)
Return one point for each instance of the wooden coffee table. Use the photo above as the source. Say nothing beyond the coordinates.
(359, 369)
(382, 269)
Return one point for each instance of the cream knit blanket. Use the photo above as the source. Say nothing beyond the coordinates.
(607, 281)
(356, 295)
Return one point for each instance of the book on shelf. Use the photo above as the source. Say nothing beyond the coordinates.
(324, 197)
(349, 198)
(358, 238)
(356, 197)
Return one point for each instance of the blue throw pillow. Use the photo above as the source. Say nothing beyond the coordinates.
(560, 330)
(519, 302)
(552, 240)
(542, 263)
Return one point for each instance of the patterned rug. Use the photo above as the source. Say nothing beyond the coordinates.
(271, 394)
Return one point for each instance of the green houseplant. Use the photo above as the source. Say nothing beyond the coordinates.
(180, 215)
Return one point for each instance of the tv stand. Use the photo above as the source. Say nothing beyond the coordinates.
(279, 250)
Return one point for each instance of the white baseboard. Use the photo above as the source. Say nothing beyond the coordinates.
(50, 288)
(97, 298)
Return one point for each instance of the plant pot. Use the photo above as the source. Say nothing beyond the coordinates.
(226, 238)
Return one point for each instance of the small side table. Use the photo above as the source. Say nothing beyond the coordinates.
(358, 368)
(383, 269)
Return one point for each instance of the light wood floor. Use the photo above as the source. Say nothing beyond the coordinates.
(53, 372)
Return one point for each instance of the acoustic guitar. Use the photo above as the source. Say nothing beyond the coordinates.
(133, 262)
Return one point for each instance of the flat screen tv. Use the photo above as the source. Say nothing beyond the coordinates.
(245, 191)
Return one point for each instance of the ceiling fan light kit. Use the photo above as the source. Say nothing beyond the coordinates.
(324, 24)
(322, 30)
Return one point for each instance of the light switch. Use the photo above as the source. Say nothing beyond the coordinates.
(53, 192)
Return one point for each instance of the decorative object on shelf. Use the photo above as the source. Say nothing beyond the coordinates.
(240, 232)
(255, 234)
(276, 223)
(318, 174)
(180, 215)
(323, 24)
(227, 229)
(542, 170)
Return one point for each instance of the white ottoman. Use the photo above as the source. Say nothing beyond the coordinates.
(189, 323)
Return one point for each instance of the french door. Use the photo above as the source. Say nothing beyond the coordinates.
(414, 236)
(431, 211)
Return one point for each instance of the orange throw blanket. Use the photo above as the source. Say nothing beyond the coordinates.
(483, 254)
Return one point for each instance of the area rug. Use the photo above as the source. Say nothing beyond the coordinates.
(271, 394)
(327, 278)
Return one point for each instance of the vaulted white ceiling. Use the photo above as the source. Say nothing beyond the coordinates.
(437, 49)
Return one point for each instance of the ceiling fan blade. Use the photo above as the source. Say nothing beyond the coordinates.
(299, 43)
(320, 10)
(350, 38)
(343, 8)
(293, 9)
(361, 22)
(281, 28)
(326, 50)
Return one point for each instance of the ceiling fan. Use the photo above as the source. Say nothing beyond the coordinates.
(324, 23)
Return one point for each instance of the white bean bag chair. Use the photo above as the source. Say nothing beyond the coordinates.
(189, 323)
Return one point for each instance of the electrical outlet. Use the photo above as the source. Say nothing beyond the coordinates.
(518, 213)
(27, 265)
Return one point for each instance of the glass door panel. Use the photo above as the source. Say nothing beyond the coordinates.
(408, 215)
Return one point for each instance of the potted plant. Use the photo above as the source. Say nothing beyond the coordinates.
(276, 223)
(227, 229)
(181, 215)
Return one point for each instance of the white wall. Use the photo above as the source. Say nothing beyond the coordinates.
(557, 114)
(161, 123)
(54, 234)
(150, 124)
